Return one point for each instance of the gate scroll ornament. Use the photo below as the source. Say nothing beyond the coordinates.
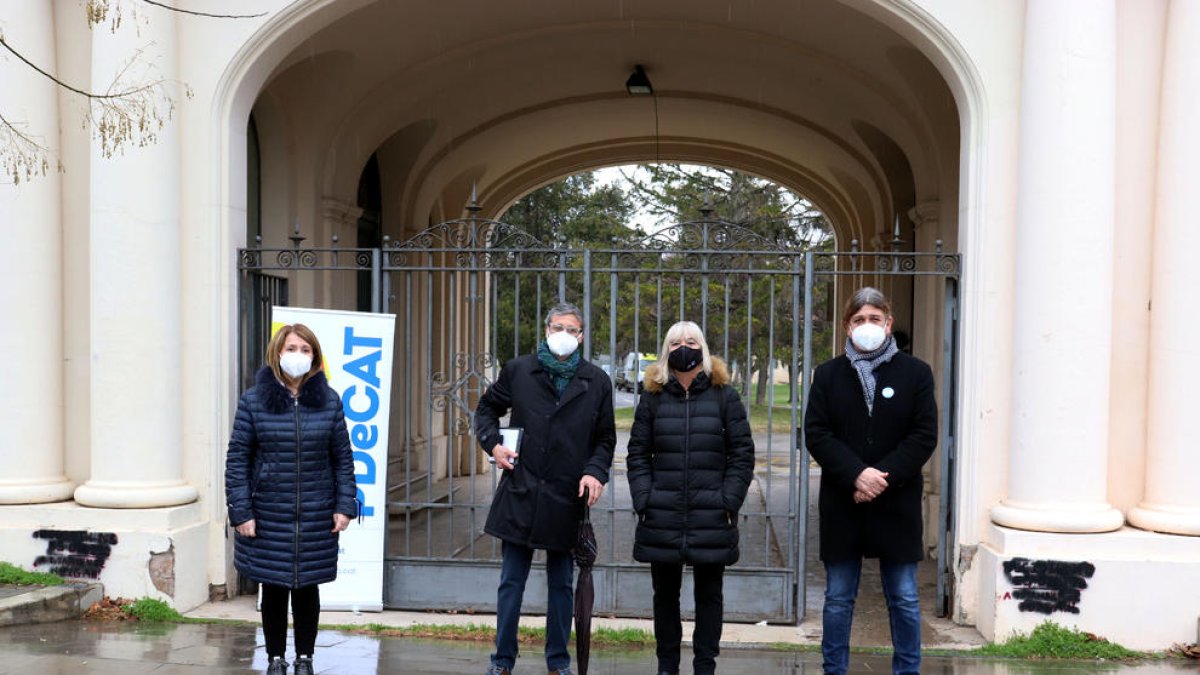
(469, 245)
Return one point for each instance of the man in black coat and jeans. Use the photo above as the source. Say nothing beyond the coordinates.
(563, 404)
(871, 424)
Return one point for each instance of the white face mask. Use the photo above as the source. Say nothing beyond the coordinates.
(868, 337)
(562, 343)
(295, 364)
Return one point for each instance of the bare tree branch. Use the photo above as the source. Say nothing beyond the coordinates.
(195, 13)
(24, 157)
(124, 114)
(64, 85)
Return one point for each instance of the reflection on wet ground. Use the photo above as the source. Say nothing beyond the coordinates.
(163, 649)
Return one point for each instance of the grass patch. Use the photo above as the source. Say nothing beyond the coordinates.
(796, 647)
(146, 610)
(15, 576)
(623, 417)
(149, 609)
(621, 637)
(1047, 641)
(1052, 641)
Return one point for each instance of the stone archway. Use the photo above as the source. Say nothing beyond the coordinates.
(782, 95)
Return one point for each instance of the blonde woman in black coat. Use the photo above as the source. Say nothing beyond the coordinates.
(691, 459)
(289, 484)
(871, 424)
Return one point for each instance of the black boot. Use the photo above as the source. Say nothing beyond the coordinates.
(303, 665)
(277, 666)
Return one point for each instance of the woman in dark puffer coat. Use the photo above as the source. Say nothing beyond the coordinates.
(691, 459)
(289, 484)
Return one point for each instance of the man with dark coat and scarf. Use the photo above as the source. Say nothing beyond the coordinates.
(871, 424)
(563, 404)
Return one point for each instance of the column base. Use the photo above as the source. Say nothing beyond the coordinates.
(1066, 518)
(1128, 586)
(36, 491)
(1167, 519)
(136, 553)
(134, 494)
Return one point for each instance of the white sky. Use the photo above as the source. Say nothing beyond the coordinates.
(611, 175)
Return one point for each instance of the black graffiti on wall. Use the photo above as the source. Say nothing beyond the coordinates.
(1048, 586)
(76, 554)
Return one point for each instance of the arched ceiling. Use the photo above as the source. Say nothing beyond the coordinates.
(512, 95)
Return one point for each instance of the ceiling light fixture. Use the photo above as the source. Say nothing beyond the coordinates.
(638, 84)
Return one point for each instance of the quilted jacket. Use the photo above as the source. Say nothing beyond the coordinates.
(290, 467)
(690, 463)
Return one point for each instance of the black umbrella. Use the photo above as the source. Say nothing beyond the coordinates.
(584, 553)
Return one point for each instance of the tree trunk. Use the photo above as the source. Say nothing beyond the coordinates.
(764, 376)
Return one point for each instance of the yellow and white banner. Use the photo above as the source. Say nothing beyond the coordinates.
(358, 352)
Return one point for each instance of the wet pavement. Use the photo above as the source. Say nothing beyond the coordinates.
(164, 649)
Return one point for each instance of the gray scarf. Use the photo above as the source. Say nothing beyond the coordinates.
(866, 363)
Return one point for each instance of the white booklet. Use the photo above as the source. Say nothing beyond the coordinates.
(510, 437)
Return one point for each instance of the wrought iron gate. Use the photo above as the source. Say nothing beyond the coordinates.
(469, 294)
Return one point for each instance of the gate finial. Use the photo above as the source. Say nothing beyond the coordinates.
(474, 206)
(296, 237)
(896, 241)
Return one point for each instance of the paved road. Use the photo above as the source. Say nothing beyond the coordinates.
(101, 648)
(623, 399)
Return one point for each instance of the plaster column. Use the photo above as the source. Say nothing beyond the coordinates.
(341, 220)
(1172, 502)
(1062, 332)
(1141, 41)
(136, 308)
(31, 404)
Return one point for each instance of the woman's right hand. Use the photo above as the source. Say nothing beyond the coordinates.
(246, 529)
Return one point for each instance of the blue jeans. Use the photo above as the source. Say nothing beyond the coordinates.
(560, 603)
(904, 614)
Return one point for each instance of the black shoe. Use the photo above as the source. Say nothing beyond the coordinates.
(303, 665)
(277, 666)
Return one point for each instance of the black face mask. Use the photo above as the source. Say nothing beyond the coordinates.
(684, 358)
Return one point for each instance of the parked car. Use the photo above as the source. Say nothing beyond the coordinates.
(604, 361)
(633, 368)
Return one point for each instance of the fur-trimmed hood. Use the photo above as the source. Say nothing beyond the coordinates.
(719, 376)
(276, 397)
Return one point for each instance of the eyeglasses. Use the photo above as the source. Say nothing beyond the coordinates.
(558, 328)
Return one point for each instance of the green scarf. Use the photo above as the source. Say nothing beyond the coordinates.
(561, 372)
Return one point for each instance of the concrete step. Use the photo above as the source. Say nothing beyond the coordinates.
(42, 604)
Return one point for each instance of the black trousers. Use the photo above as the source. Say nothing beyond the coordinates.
(306, 611)
(710, 609)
